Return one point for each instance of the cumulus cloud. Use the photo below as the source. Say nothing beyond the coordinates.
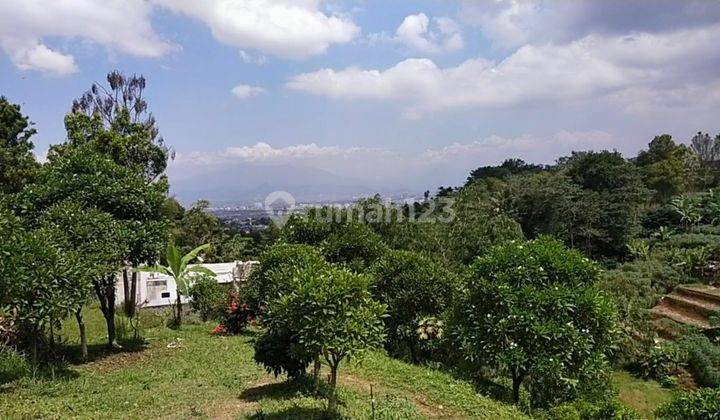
(293, 29)
(593, 66)
(513, 23)
(247, 91)
(123, 25)
(415, 32)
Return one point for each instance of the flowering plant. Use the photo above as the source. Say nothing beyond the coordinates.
(235, 317)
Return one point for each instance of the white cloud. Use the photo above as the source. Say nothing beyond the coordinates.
(447, 165)
(294, 29)
(247, 91)
(594, 66)
(123, 25)
(415, 32)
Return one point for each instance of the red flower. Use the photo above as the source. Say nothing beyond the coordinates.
(219, 330)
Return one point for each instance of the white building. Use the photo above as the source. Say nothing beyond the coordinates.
(157, 290)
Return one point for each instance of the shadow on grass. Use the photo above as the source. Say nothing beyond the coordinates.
(297, 413)
(98, 351)
(279, 390)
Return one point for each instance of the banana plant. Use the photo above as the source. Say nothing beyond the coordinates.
(178, 268)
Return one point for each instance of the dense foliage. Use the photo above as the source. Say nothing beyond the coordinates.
(533, 309)
(700, 405)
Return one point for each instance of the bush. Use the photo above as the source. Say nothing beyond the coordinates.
(207, 297)
(532, 309)
(12, 365)
(413, 287)
(235, 317)
(703, 359)
(275, 274)
(280, 352)
(664, 361)
(700, 405)
(354, 245)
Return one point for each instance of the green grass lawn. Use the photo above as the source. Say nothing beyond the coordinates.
(642, 395)
(188, 373)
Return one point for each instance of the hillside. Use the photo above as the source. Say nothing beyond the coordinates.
(189, 373)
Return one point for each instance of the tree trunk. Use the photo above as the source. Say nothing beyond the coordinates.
(332, 398)
(105, 291)
(178, 316)
(517, 379)
(130, 292)
(413, 352)
(316, 373)
(83, 336)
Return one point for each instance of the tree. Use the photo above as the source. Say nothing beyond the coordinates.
(667, 167)
(608, 208)
(37, 279)
(533, 309)
(699, 405)
(354, 245)
(506, 169)
(98, 238)
(413, 287)
(114, 121)
(94, 181)
(707, 150)
(179, 269)
(17, 162)
(333, 315)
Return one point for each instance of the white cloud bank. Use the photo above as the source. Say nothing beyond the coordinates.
(591, 67)
(438, 166)
(123, 25)
(295, 29)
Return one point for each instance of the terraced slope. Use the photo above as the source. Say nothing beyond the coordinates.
(689, 305)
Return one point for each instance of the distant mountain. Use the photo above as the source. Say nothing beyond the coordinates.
(251, 183)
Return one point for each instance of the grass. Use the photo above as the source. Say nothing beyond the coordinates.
(188, 373)
(642, 395)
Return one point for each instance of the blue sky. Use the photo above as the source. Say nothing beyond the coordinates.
(407, 95)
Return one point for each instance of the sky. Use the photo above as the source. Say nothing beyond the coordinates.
(390, 95)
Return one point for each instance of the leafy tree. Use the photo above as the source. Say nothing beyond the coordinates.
(333, 314)
(477, 222)
(281, 352)
(533, 309)
(354, 245)
(17, 162)
(37, 279)
(94, 181)
(179, 269)
(413, 287)
(114, 121)
(98, 238)
(707, 150)
(609, 207)
(667, 167)
(276, 273)
(505, 170)
(208, 297)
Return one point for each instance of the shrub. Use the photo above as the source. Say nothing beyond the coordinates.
(413, 287)
(280, 352)
(334, 315)
(533, 309)
(207, 297)
(12, 365)
(235, 317)
(703, 359)
(664, 361)
(275, 274)
(699, 405)
(354, 245)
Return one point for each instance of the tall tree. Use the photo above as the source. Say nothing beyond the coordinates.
(707, 150)
(667, 168)
(114, 120)
(17, 162)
